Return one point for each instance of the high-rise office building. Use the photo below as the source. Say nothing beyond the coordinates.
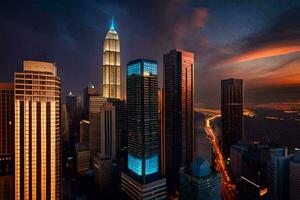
(89, 91)
(64, 123)
(73, 118)
(255, 171)
(71, 103)
(278, 175)
(178, 113)
(108, 130)
(232, 101)
(103, 169)
(198, 181)
(82, 158)
(142, 179)
(6, 140)
(95, 124)
(121, 131)
(37, 132)
(111, 64)
(294, 177)
(84, 132)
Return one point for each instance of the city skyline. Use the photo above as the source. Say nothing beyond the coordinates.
(181, 99)
(249, 41)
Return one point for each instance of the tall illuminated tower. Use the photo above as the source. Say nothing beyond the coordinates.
(111, 64)
(37, 132)
(142, 179)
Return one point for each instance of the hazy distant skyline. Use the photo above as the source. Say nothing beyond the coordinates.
(258, 41)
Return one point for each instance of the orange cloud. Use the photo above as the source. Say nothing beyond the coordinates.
(265, 52)
(288, 74)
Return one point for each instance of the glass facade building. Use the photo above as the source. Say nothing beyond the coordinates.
(111, 64)
(178, 113)
(143, 132)
(232, 101)
(37, 132)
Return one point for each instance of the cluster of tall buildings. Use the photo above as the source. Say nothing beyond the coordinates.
(149, 137)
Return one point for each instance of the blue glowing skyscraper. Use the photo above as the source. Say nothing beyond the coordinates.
(143, 170)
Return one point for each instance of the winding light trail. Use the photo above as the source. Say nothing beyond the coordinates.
(228, 188)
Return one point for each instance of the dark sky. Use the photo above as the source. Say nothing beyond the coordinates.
(258, 41)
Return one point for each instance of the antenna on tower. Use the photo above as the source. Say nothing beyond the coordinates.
(112, 25)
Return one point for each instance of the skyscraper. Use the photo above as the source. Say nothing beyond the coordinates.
(37, 132)
(111, 64)
(232, 101)
(73, 118)
(89, 91)
(71, 104)
(278, 175)
(108, 130)
(95, 124)
(84, 132)
(6, 140)
(121, 130)
(178, 113)
(143, 170)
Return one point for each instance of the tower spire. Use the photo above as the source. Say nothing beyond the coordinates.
(112, 25)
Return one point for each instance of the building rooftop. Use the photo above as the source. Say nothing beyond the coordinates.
(38, 66)
(200, 167)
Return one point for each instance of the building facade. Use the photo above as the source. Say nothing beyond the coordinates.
(178, 113)
(108, 130)
(232, 101)
(294, 177)
(121, 131)
(95, 124)
(71, 104)
(37, 132)
(82, 158)
(84, 132)
(89, 91)
(198, 181)
(143, 132)
(6, 140)
(103, 169)
(278, 175)
(111, 64)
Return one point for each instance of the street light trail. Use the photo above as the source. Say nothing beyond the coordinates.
(228, 188)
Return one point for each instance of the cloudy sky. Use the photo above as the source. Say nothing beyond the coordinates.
(258, 41)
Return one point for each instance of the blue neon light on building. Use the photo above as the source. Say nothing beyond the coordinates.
(134, 69)
(135, 164)
(152, 165)
(150, 68)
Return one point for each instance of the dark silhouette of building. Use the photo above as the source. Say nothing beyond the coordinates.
(178, 113)
(121, 130)
(72, 104)
(232, 99)
(89, 91)
(6, 140)
(142, 179)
